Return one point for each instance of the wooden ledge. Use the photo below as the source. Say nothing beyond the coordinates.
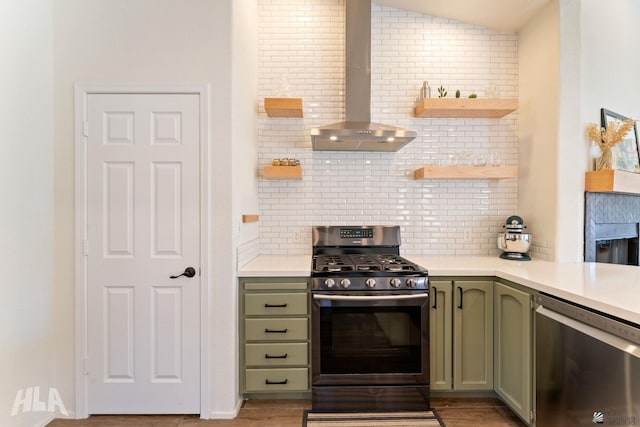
(283, 172)
(283, 107)
(612, 181)
(474, 108)
(466, 172)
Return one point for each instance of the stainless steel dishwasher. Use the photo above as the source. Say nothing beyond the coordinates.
(587, 366)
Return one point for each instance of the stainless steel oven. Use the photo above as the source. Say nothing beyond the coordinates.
(370, 343)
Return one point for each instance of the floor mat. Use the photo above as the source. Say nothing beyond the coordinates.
(372, 419)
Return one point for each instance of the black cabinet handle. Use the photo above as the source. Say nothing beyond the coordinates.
(275, 331)
(268, 382)
(460, 302)
(268, 356)
(275, 305)
(435, 297)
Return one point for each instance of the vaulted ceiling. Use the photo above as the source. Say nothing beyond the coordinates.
(501, 15)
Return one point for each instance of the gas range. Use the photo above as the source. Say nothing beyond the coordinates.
(369, 322)
(362, 258)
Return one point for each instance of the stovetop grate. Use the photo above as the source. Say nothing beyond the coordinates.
(362, 263)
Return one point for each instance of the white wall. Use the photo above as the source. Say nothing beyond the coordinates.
(304, 43)
(244, 105)
(573, 150)
(561, 97)
(539, 63)
(610, 69)
(149, 41)
(27, 331)
(607, 78)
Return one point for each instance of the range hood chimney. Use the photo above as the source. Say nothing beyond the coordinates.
(357, 132)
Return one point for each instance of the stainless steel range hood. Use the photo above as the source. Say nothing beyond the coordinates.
(357, 132)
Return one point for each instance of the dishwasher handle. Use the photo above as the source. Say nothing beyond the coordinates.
(598, 334)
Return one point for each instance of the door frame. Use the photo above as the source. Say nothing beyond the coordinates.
(82, 90)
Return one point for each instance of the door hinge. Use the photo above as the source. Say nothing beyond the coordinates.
(85, 128)
(85, 247)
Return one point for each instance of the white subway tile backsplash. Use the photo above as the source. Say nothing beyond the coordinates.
(301, 54)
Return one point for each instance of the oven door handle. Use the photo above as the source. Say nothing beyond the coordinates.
(369, 297)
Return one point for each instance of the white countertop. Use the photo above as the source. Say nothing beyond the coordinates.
(613, 289)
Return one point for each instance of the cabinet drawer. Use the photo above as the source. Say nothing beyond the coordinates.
(275, 329)
(288, 379)
(279, 285)
(280, 354)
(275, 304)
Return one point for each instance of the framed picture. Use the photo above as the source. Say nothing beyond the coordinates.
(626, 156)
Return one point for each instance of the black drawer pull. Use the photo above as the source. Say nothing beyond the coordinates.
(268, 356)
(275, 305)
(267, 382)
(275, 331)
(460, 302)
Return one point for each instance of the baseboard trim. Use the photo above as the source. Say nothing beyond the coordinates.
(49, 417)
(226, 415)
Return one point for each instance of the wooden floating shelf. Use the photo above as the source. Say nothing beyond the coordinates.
(250, 218)
(612, 181)
(283, 107)
(474, 108)
(283, 172)
(466, 172)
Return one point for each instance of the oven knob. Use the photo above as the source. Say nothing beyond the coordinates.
(395, 282)
(411, 283)
(345, 283)
(329, 283)
(371, 283)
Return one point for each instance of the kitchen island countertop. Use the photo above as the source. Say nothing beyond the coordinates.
(610, 288)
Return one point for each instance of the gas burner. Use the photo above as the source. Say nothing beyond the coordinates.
(368, 267)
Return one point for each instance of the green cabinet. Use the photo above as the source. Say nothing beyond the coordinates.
(274, 337)
(461, 335)
(441, 335)
(513, 348)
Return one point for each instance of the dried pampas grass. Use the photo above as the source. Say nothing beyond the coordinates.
(607, 138)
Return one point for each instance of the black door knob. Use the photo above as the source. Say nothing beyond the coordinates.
(188, 272)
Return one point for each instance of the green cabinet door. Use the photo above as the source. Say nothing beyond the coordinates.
(513, 348)
(440, 335)
(473, 335)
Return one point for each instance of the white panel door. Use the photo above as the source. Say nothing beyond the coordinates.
(143, 227)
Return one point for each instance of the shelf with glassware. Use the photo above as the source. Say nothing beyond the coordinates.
(466, 172)
(474, 108)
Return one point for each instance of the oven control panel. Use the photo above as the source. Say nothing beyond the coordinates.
(356, 233)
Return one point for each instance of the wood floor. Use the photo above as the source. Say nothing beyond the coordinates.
(288, 413)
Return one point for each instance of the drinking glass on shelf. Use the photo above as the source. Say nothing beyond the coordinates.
(491, 91)
(466, 158)
(495, 160)
(479, 160)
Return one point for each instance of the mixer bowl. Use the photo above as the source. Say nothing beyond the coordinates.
(514, 242)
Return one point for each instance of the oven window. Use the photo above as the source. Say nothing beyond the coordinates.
(370, 340)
